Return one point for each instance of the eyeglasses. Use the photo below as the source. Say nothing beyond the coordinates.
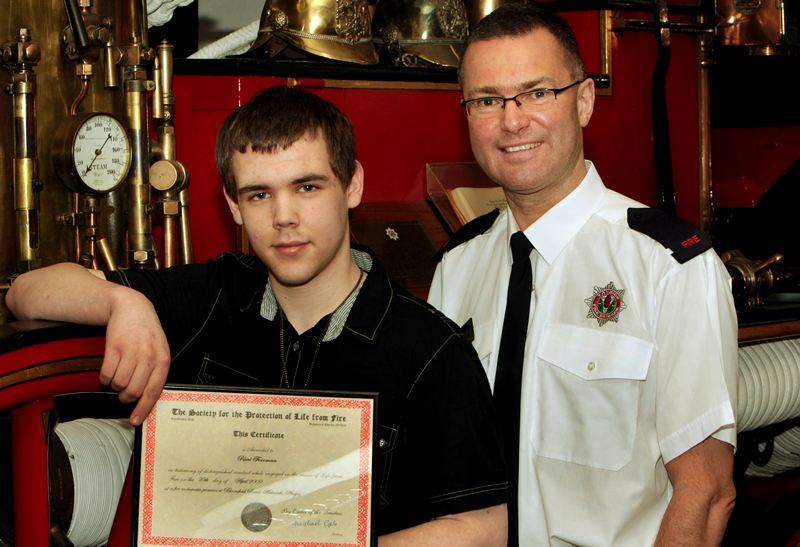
(528, 101)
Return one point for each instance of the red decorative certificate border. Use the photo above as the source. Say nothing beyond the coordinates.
(145, 516)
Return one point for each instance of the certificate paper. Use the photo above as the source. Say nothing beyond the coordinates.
(256, 468)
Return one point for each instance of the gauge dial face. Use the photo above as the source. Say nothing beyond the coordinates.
(101, 153)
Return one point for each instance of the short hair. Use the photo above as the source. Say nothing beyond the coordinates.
(276, 118)
(517, 19)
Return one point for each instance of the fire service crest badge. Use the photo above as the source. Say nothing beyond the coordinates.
(605, 304)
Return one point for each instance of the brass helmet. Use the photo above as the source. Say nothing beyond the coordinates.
(334, 29)
(427, 30)
(755, 24)
(478, 9)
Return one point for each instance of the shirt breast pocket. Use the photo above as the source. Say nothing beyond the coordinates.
(590, 383)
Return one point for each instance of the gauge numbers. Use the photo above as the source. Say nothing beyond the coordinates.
(101, 153)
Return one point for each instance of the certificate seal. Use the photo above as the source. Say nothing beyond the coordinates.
(256, 517)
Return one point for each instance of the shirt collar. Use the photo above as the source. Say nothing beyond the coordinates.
(341, 317)
(553, 230)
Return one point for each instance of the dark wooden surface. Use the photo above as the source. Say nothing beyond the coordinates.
(389, 212)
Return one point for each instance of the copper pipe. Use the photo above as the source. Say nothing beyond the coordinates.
(76, 230)
(81, 96)
(170, 230)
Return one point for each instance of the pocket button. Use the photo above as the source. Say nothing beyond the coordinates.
(591, 366)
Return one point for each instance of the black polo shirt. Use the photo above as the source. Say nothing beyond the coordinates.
(439, 447)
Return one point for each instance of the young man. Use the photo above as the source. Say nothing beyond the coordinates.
(626, 354)
(306, 312)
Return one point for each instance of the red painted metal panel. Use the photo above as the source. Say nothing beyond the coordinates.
(29, 460)
(51, 351)
(121, 530)
(23, 360)
(750, 161)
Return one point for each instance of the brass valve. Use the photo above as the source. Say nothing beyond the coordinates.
(752, 280)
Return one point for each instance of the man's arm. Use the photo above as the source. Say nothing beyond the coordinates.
(486, 527)
(703, 495)
(136, 358)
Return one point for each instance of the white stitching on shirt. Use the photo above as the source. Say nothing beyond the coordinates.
(430, 309)
(380, 321)
(469, 491)
(245, 260)
(421, 372)
(124, 278)
(216, 300)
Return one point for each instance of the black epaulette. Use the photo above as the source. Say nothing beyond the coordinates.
(473, 228)
(683, 239)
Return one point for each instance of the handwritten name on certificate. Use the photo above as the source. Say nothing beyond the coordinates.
(250, 468)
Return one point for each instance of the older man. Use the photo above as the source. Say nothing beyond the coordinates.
(607, 329)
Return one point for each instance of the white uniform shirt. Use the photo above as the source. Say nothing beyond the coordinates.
(630, 360)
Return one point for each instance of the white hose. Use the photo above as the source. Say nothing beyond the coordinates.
(785, 455)
(769, 393)
(236, 42)
(159, 12)
(768, 384)
(99, 451)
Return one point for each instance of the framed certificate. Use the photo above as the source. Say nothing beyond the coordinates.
(222, 467)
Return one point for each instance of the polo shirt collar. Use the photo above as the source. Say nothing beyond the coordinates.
(556, 228)
(372, 305)
(362, 312)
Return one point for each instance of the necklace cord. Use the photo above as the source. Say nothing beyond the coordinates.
(284, 379)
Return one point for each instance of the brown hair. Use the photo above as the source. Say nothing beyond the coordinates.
(277, 117)
(516, 19)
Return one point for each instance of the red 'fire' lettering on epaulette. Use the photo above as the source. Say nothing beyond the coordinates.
(691, 241)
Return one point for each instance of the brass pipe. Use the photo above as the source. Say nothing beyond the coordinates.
(27, 213)
(21, 57)
(165, 54)
(104, 249)
(174, 179)
(89, 256)
(132, 19)
(111, 57)
(187, 254)
(166, 141)
(706, 198)
(142, 252)
(158, 90)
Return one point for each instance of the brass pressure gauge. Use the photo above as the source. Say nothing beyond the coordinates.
(92, 153)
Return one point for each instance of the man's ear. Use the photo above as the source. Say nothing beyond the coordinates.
(586, 96)
(356, 187)
(234, 207)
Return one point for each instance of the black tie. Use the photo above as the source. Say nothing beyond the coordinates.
(508, 378)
